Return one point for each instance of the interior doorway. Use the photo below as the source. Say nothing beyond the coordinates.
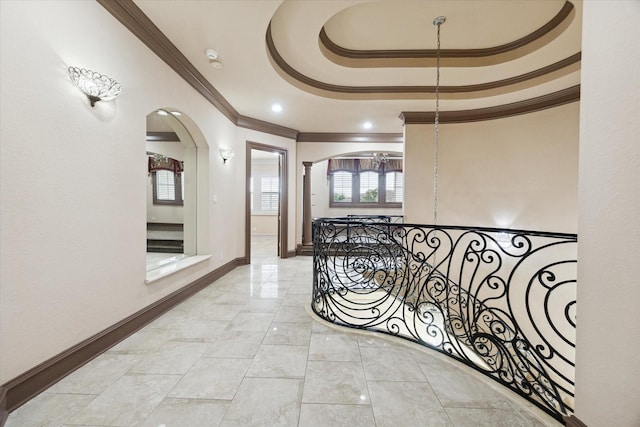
(266, 200)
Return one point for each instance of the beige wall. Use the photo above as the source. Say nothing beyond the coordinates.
(519, 172)
(264, 225)
(73, 194)
(608, 329)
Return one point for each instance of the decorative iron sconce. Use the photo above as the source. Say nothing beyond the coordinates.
(226, 155)
(96, 86)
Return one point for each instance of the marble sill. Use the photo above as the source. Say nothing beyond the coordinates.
(169, 269)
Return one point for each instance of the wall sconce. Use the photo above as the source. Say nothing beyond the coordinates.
(96, 86)
(226, 155)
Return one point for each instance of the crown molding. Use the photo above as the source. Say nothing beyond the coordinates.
(266, 127)
(551, 100)
(349, 137)
(376, 92)
(397, 57)
(132, 17)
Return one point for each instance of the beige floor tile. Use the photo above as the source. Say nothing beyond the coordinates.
(265, 402)
(174, 357)
(289, 333)
(48, 410)
(335, 382)
(279, 361)
(187, 413)
(407, 404)
(263, 305)
(212, 378)
(127, 402)
(251, 322)
(219, 312)
(458, 389)
(334, 347)
(323, 415)
(97, 375)
(390, 364)
(243, 344)
(291, 314)
(145, 340)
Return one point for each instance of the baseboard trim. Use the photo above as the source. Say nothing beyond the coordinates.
(24, 387)
(304, 250)
(291, 254)
(573, 421)
(4, 414)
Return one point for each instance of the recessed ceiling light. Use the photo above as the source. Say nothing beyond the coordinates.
(367, 125)
(276, 108)
(162, 113)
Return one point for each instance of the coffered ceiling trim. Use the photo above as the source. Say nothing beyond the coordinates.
(554, 99)
(309, 84)
(450, 57)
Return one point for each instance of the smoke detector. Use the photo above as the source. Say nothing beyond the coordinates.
(213, 58)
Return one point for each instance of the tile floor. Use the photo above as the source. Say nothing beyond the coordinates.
(245, 352)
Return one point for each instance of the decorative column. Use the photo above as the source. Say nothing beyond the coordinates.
(306, 205)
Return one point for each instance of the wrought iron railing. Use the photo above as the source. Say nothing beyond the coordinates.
(502, 301)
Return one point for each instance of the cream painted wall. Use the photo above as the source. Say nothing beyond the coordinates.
(264, 225)
(73, 194)
(608, 329)
(519, 172)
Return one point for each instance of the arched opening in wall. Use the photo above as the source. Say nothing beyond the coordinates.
(358, 183)
(176, 169)
(266, 202)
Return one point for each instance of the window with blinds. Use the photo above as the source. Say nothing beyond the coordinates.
(342, 187)
(369, 187)
(394, 187)
(168, 187)
(358, 182)
(269, 193)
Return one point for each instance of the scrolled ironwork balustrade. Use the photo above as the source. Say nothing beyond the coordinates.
(502, 301)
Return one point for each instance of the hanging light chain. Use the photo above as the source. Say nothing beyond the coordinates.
(437, 22)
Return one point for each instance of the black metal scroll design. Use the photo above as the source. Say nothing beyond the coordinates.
(501, 301)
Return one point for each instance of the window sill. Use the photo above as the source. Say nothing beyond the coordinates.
(167, 270)
(371, 205)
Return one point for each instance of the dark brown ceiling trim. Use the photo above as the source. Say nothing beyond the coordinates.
(266, 127)
(410, 90)
(554, 99)
(340, 51)
(162, 136)
(349, 137)
(141, 26)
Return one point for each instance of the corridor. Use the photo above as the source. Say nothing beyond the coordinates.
(246, 352)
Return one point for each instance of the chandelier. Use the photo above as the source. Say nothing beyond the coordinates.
(379, 159)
